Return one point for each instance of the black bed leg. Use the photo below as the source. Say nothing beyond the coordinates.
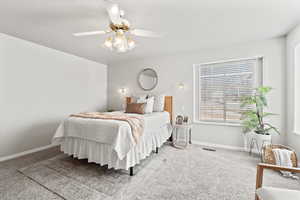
(131, 171)
(156, 151)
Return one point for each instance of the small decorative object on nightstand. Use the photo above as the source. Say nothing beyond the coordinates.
(185, 119)
(182, 135)
(179, 119)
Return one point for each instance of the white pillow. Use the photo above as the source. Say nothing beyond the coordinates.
(149, 104)
(159, 103)
(141, 97)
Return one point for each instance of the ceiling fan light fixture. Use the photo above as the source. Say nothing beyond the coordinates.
(131, 43)
(119, 38)
(108, 42)
(121, 30)
(119, 42)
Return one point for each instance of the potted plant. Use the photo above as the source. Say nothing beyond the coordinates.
(253, 116)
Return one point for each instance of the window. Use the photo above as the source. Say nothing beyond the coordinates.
(220, 87)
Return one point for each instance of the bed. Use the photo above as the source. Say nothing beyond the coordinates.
(110, 142)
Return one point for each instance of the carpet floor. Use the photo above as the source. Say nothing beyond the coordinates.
(172, 174)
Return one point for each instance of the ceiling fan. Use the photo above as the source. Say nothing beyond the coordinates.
(121, 40)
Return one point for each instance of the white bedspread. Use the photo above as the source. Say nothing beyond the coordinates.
(112, 132)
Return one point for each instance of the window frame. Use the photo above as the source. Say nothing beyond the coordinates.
(258, 72)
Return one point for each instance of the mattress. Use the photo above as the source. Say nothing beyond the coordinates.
(110, 141)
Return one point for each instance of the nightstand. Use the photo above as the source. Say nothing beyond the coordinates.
(182, 135)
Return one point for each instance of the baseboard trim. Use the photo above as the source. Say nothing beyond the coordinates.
(218, 146)
(27, 152)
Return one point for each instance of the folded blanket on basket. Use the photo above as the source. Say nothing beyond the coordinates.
(283, 158)
(136, 123)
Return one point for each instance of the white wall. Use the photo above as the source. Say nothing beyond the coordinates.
(293, 85)
(38, 88)
(296, 90)
(179, 68)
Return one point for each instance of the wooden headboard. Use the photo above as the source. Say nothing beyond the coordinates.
(168, 105)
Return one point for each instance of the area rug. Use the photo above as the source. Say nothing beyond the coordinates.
(172, 174)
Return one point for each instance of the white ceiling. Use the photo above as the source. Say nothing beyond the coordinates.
(188, 24)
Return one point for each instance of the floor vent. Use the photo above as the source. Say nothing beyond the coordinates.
(208, 149)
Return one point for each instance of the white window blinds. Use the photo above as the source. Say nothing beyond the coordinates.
(221, 87)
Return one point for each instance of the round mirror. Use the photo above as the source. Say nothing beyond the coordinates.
(147, 79)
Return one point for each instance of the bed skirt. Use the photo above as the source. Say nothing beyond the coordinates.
(104, 154)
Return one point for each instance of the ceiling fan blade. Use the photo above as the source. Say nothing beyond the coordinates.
(114, 13)
(145, 33)
(90, 33)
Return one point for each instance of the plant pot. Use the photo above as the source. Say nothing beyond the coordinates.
(262, 140)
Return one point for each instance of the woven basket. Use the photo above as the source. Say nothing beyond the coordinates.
(268, 155)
